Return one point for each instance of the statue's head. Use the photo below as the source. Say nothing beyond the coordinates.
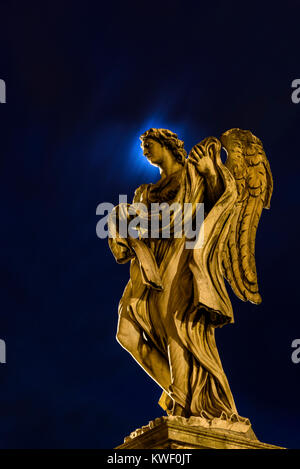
(156, 143)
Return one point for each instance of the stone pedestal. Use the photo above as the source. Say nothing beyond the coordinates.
(174, 432)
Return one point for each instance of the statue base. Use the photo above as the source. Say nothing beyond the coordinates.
(174, 432)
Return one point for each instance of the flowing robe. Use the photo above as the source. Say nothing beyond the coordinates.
(176, 297)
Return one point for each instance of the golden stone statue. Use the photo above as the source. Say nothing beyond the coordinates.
(176, 296)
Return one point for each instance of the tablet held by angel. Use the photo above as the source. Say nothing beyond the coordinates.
(176, 295)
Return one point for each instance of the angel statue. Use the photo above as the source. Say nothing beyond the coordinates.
(176, 296)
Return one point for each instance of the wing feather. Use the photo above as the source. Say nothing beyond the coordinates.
(249, 165)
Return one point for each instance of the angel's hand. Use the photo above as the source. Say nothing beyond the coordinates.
(204, 164)
(125, 253)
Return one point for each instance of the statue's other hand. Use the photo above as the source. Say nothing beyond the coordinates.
(125, 254)
(204, 164)
(122, 252)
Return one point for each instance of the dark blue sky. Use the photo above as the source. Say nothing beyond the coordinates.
(84, 80)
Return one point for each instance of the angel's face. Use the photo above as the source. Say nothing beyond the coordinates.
(153, 151)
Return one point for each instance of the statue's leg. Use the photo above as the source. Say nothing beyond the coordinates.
(210, 390)
(130, 336)
(180, 376)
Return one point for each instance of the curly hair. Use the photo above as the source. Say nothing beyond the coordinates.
(169, 140)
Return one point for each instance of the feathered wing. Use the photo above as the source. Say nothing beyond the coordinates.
(248, 164)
